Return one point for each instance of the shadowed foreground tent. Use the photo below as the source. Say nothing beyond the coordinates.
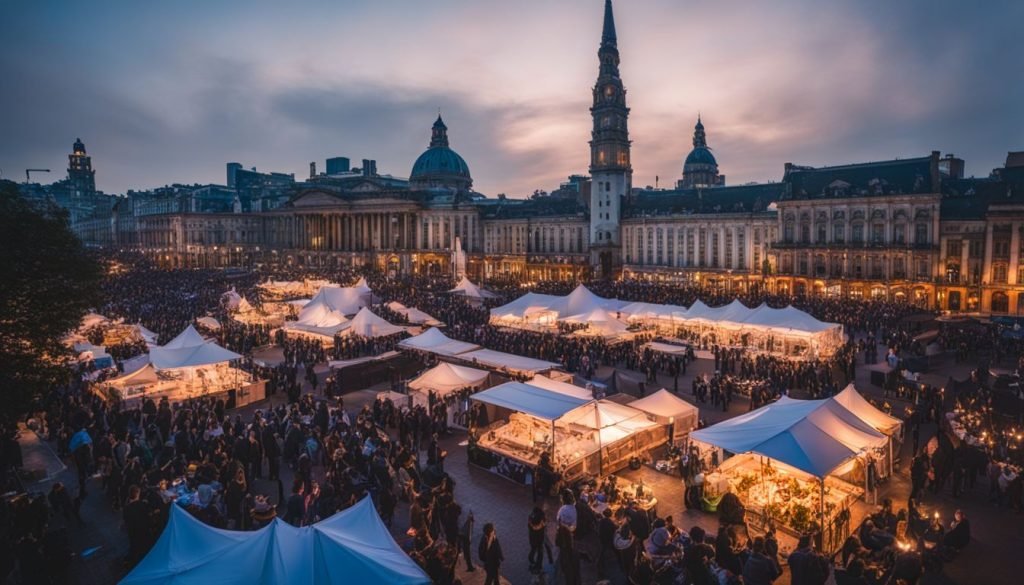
(353, 546)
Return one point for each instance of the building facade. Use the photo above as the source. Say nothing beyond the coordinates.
(912, 230)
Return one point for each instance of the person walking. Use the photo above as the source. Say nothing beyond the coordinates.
(490, 555)
(466, 539)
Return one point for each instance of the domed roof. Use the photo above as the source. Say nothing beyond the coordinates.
(439, 161)
(700, 156)
(440, 164)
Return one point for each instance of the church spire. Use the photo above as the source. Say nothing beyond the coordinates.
(608, 34)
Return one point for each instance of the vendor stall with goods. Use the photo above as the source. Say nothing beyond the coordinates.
(794, 462)
(579, 436)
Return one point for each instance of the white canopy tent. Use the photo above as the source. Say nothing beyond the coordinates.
(318, 317)
(188, 350)
(362, 287)
(346, 301)
(535, 401)
(667, 408)
(545, 309)
(561, 387)
(470, 290)
(209, 322)
(667, 348)
(352, 546)
(434, 341)
(368, 324)
(413, 315)
(598, 321)
(502, 360)
(231, 299)
(858, 405)
(446, 378)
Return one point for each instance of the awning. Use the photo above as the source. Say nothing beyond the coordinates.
(538, 402)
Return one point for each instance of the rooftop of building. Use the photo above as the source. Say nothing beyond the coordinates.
(892, 177)
(751, 198)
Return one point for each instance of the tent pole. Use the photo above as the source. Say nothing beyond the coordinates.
(821, 523)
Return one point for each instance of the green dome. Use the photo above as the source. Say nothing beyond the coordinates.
(701, 156)
(439, 161)
(440, 166)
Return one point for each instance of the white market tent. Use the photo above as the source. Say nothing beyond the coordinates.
(599, 321)
(318, 317)
(547, 309)
(502, 360)
(368, 324)
(244, 306)
(346, 301)
(92, 320)
(231, 299)
(561, 387)
(189, 349)
(532, 400)
(814, 436)
(666, 407)
(858, 405)
(446, 378)
(361, 286)
(413, 315)
(434, 341)
(352, 546)
(209, 322)
(667, 348)
(470, 290)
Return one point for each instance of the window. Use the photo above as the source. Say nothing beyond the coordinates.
(899, 234)
(877, 233)
(822, 233)
(921, 233)
(858, 233)
(805, 233)
(922, 268)
(954, 248)
(803, 265)
(1001, 248)
(999, 273)
(787, 232)
(839, 233)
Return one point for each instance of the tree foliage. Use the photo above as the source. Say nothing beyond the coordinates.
(48, 283)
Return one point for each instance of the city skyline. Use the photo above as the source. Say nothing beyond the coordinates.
(277, 89)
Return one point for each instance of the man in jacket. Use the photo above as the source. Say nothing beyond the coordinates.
(490, 555)
(759, 569)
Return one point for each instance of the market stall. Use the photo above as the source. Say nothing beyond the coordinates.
(367, 324)
(413, 315)
(543, 312)
(583, 437)
(471, 291)
(450, 384)
(434, 341)
(814, 441)
(507, 362)
(186, 367)
(668, 409)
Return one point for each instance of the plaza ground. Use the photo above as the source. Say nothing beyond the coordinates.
(100, 543)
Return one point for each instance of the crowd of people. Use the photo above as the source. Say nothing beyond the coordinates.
(307, 457)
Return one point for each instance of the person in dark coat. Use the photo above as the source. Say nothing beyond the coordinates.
(490, 555)
(138, 522)
(759, 569)
(959, 534)
(800, 560)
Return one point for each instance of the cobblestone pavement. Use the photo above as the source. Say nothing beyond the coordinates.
(990, 559)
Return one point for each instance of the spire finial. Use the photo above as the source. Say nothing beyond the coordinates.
(608, 38)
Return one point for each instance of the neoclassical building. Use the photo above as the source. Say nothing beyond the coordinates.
(913, 230)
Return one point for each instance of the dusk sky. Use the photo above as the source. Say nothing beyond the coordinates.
(165, 92)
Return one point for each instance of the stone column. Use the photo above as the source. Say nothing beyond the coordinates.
(986, 268)
(1014, 255)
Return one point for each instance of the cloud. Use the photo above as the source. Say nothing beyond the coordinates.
(164, 96)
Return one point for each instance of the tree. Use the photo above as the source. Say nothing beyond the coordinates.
(48, 282)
